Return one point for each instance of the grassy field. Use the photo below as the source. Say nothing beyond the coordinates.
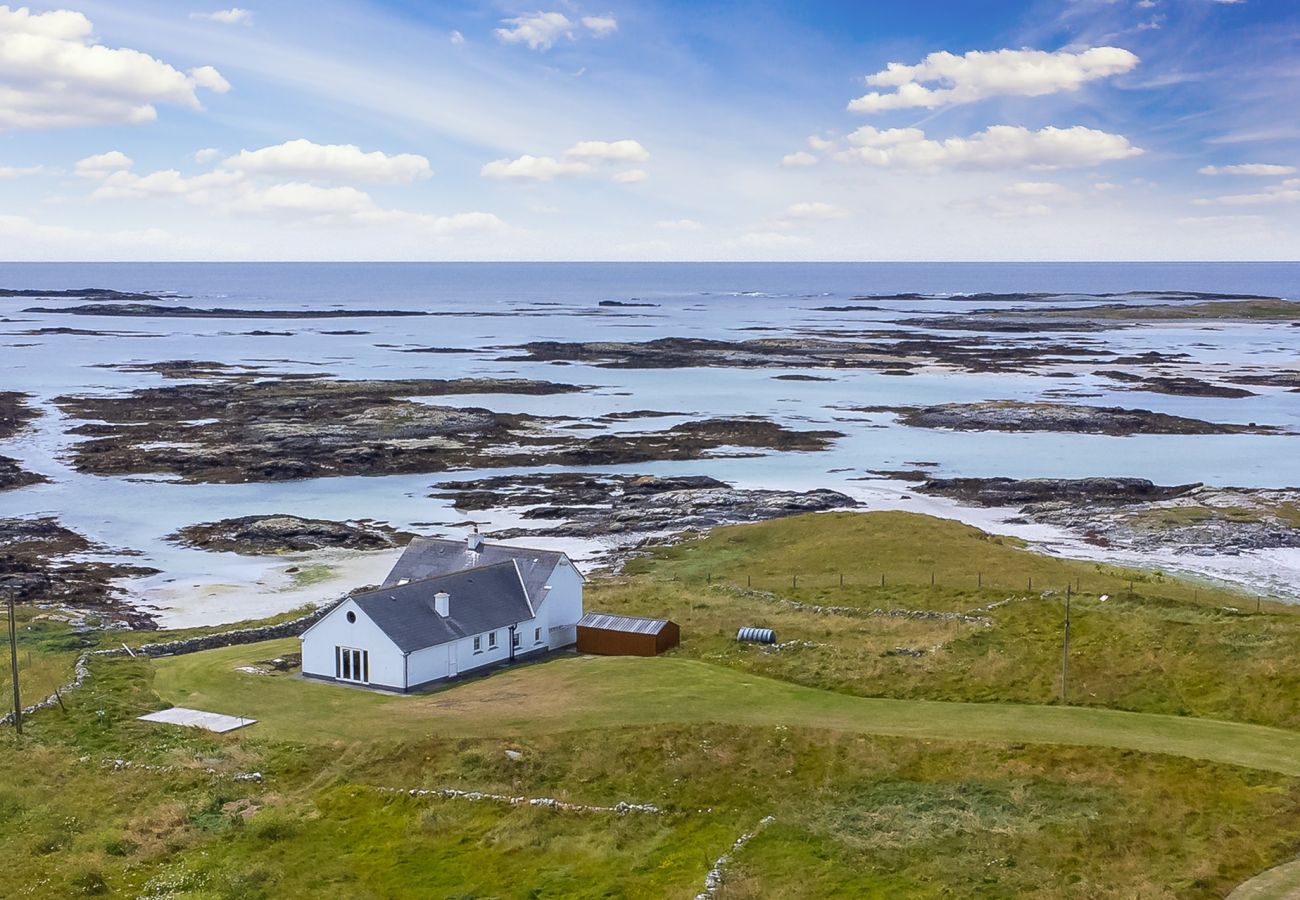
(870, 798)
(581, 693)
(887, 774)
(1171, 646)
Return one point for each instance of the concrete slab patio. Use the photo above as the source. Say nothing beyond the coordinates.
(197, 718)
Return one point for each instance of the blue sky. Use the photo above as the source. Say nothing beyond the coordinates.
(1073, 129)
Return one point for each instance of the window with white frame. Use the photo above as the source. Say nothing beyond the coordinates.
(537, 635)
(478, 643)
(514, 638)
(352, 665)
(492, 640)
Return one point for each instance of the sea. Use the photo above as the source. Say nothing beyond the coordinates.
(485, 308)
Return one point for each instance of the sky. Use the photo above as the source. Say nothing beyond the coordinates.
(594, 130)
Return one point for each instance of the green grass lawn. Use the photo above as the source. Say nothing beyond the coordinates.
(949, 773)
(1173, 646)
(585, 692)
(954, 806)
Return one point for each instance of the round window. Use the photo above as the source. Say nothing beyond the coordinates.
(352, 617)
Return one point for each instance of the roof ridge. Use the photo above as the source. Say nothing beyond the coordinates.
(444, 540)
(443, 576)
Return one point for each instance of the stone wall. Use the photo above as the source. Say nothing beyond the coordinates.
(81, 671)
(292, 628)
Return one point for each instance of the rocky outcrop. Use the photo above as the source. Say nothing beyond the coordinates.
(156, 311)
(1079, 491)
(96, 294)
(1135, 514)
(276, 429)
(41, 564)
(597, 505)
(1179, 386)
(1007, 415)
(13, 475)
(894, 352)
(267, 535)
(15, 413)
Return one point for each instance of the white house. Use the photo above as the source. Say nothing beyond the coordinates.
(448, 608)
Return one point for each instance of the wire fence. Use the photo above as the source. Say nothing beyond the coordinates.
(1150, 586)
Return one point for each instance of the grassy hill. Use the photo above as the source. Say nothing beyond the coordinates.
(882, 777)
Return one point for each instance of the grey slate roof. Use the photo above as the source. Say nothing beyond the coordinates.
(630, 624)
(430, 557)
(482, 599)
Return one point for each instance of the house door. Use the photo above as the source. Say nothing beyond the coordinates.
(452, 662)
(352, 665)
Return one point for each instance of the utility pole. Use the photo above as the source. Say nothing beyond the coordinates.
(13, 659)
(1065, 650)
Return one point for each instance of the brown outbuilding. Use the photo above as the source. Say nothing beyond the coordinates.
(608, 635)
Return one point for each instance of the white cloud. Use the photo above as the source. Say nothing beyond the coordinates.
(1261, 169)
(7, 172)
(457, 38)
(798, 159)
(609, 151)
(996, 147)
(206, 155)
(532, 168)
(980, 74)
(1104, 186)
(1286, 192)
(210, 78)
(232, 16)
(581, 159)
(679, 225)
(102, 164)
(600, 26)
(335, 162)
(297, 199)
(53, 75)
(815, 210)
(541, 30)
(235, 194)
(202, 189)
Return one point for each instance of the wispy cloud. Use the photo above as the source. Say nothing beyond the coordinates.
(980, 74)
(541, 30)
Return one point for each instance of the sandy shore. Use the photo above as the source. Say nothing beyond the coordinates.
(265, 589)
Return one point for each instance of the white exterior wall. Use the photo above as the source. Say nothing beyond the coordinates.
(427, 664)
(386, 664)
(434, 663)
(562, 606)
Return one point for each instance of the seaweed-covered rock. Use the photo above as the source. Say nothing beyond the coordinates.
(287, 534)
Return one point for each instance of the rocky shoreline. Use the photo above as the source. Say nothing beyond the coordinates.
(42, 563)
(15, 415)
(1135, 514)
(590, 505)
(1007, 415)
(278, 534)
(233, 429)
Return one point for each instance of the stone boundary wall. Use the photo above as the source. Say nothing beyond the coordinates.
(291, 628)
(81, 671)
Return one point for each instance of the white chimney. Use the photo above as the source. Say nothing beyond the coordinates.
(442, 603)
(475, 541)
